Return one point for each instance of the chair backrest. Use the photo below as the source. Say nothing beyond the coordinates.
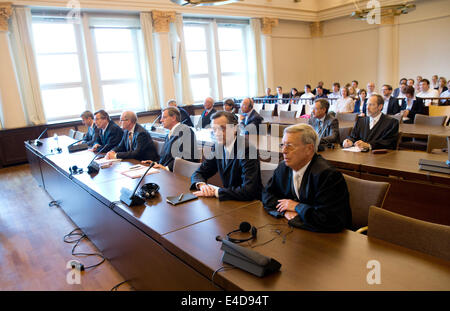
(269, 107)
(266, 113)
(258, 107)
(439, 111)
(398, 117)
(426, 120)
(344, 132)
(267, 170)
(436, 142)
(308, 109)
(159, 145)
(298, 109)
(346, 116)
(363, 194)
(195, 119)
(288, 114)
(282, 107)
(426, 237)
(71, 133)
(79, 135)
(277, 130)
(184, 167)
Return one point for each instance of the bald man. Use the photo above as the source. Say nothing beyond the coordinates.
(205, 120)
(136, 142)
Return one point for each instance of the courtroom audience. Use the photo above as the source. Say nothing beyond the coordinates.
(376, 131)
(234, 159)
(87, 118)
(344, 104)
(305, 188)
(410, 82)
(325, 125)
(185, 118)
(268, 96)
(371, 89)
(397, 91)
(136, 141)
(110, 134)
(280, 95)
(434, 82)
(391, 105)
(426, 91)
(336, 91)
(446, 94)
(294, 96)
(250, 119)
(442, 85)
(180, 142)
(320, 93)
(355, 84)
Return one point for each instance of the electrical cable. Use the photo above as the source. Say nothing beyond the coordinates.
(77, 241)
(223, 268)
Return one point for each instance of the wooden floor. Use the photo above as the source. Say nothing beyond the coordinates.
(33, 255)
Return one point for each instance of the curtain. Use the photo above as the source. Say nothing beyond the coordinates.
(257, 83)
(147, 34)
(181, 71)
(21, 37)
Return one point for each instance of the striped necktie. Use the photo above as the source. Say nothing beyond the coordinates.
(130, 141)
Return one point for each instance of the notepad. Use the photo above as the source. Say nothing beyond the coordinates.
(352, 149)
(136, 171)
(174, 200)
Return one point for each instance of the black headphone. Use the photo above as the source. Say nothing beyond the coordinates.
(149, 190)
(74, 170)
(243, 227)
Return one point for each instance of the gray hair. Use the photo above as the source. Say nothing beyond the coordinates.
(171, 101)
(130, 115)
(173, 111)
(309, 135)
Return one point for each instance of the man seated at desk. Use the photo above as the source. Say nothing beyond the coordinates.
(250, 118)
(185, 118)
(205, 118)
(136, 142)
(325, 125)
(235, 160)
(376, 131)
(180, 142)
(305, 188)
(110, 134)
(87, 118)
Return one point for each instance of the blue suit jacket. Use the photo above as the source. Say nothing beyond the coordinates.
(111, 137)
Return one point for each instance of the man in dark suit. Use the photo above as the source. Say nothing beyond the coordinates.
(324, 90)
(205, 119)
(391, 104)
(397, 91)
(185, 118)
(325, 125)
(110, 134)
(305, 188)
(234, 159)
(269, 98)
(180, 142)
(87, 118)
(136, 142)
(250, 119)
(376, 131)
(411, 105)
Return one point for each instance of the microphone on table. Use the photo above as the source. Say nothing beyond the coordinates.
(37, 142)
(130, 198)
(93, 166)
(152, 126)
(74, 148)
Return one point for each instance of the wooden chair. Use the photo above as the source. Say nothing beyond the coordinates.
(287, 114)
(344, 132)
(258, 107)
(346, 117)
(71, 133)
(269, 107)
(266, 113)
(363, 194)
(195, 119)
(398, 117)
(436, 142)
(435, 111)
(426, 237)
(282, 107)
(277, 130)
(298, 109)
(79, 135)
(159, 145)
(267, 170)
(184, 167)
(427, 120)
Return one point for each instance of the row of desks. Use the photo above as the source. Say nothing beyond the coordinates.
(160, 246)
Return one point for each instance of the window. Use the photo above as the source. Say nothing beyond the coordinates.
(75, 66)
(119, 66)
(60, 68)
(217, 58)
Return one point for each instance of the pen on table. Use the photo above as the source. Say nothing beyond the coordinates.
(180, 197)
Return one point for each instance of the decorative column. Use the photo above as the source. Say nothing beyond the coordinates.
(11, 106)
(386, 52)
(266, 29)
(316, 31)
(163, 51)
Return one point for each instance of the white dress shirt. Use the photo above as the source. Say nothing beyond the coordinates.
(297, 177)
(344, 104)
(429, 93)
(374, 121)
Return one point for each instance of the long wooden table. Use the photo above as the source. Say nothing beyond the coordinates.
(163, 247)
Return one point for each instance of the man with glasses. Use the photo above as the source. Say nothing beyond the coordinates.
(110, 133)
(136, 142)
(305, 188)
(325, 125)
(234, 159)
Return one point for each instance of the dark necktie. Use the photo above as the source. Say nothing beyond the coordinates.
(130, 141)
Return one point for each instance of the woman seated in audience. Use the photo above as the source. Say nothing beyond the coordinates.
(442, 85)
(360, 104)
(352, 92)
(294, 96)
(411, 105)
(345, 103)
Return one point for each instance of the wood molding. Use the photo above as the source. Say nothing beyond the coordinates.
(5, 13)
(267, 23)
(162, 20)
